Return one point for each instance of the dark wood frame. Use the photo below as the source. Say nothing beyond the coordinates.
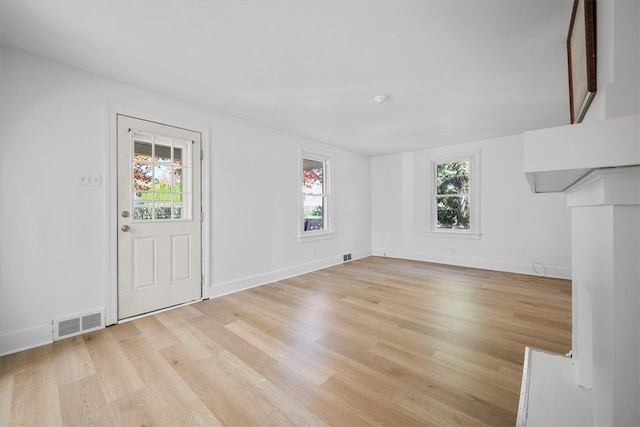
(581, 57)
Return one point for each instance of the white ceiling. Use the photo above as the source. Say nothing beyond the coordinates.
(456, 70)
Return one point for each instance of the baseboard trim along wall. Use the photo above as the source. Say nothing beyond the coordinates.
(25, 339)
(494, 265)
(232, 286)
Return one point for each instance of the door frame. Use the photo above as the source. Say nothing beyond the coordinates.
(111, 194)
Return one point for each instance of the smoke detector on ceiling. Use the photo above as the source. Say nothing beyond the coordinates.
(381, 99)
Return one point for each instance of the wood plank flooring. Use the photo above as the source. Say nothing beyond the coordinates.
(377, 341)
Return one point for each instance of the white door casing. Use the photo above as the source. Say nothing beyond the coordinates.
(159, 216)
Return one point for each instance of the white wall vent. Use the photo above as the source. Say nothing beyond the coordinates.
(71, 326)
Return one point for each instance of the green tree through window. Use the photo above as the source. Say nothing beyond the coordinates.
(452, 195)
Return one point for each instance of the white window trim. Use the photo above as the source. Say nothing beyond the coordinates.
(327, 233)
(474, 196)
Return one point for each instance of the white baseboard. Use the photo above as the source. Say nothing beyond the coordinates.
(25, 339)
(232, 286)
(484, 264)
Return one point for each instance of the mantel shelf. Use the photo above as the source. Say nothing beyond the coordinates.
(557, 158)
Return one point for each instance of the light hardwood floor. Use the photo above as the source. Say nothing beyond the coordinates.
(377, 341)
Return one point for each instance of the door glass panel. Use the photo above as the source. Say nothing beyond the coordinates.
(143, 195)
(177, 180)
(181, 202)
(177, 210)
(142, 151)
(161, 178)
(177, 156)
(142, 209)
(163, 210)
(142, 176)
(163, 153)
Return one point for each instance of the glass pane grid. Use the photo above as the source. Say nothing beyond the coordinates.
(314, 194)
(158, 173)
(452, 195)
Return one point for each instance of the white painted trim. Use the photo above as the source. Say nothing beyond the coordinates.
(523, 403)
(454, 234)
(493, 265)
(111, 203)
(111, 291)
(25, 339)
(315, 236)
(604, 187)
(205, 202)
(233, 286)
(151, 313)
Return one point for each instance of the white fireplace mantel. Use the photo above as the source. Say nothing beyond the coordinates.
(597, 165)
(556, 158)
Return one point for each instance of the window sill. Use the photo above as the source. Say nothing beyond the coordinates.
(315, 235)
(451, 234)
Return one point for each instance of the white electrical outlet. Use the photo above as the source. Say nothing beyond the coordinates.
(90, 180)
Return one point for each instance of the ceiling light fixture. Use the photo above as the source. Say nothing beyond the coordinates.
(381, 99)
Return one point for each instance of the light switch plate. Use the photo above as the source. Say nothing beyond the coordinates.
(90, 180)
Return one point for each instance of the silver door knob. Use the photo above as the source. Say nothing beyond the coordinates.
(125, 214)
(125, 228)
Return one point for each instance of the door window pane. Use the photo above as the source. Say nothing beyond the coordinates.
(177, 210)
(142, 176)
(162, 150)
(142, 151)
(163, 178)
(142, 209)
(162, 210)
(177, 156)
(177, 180)
(160, 178)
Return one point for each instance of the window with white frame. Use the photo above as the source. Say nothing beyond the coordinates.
(315, 194)
(454, 202)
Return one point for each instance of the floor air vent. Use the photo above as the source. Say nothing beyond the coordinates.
(80, 324)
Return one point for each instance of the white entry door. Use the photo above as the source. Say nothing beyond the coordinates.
(159, 250)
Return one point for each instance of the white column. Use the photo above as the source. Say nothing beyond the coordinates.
(606, 281)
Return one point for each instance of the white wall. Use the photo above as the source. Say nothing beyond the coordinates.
(54, 126)
(617, 59)
(518, 228)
